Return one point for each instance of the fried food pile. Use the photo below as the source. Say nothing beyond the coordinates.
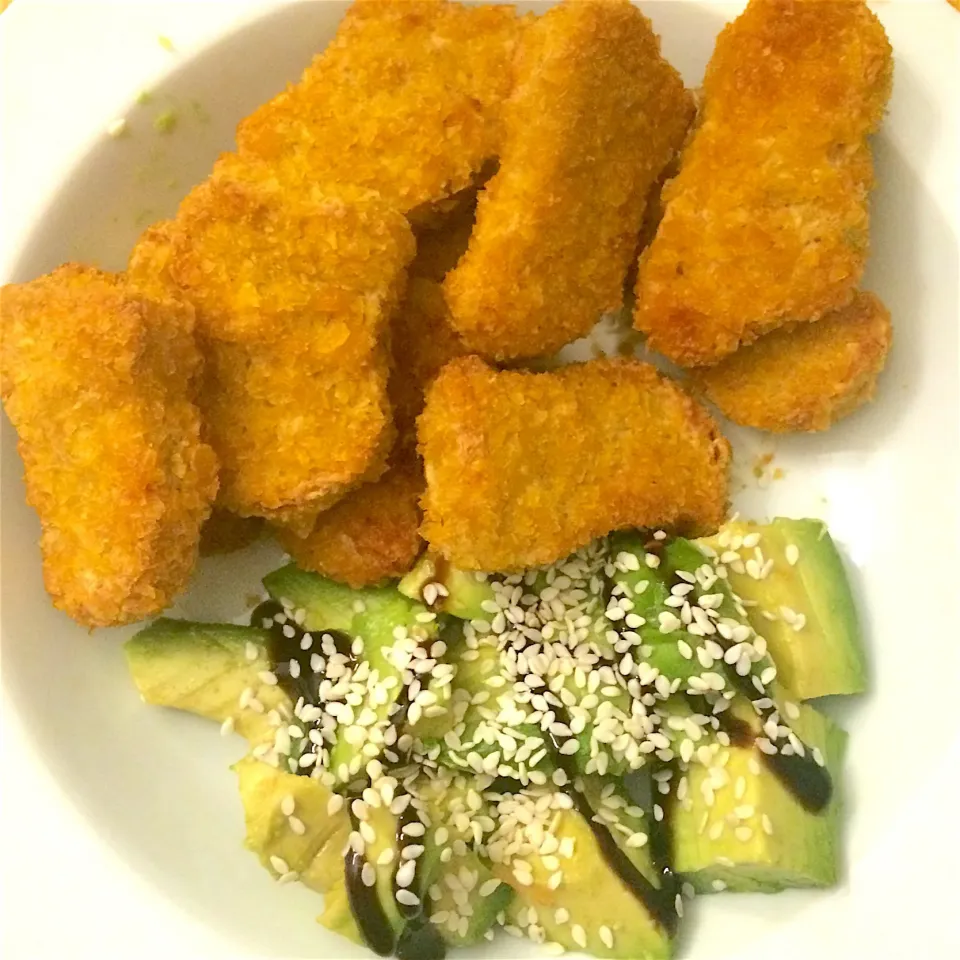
(766, 222)
(295, 347)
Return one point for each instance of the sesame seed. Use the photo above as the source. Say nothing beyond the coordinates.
(792, 554)
(226, 728)
(678, 905)
(606, 936)
(719, 886)
(288, 805)
(562, 915)
(579, 935)
(743, 834)
(279, 864)
(405, 874)
(407, 898)
(334, 805)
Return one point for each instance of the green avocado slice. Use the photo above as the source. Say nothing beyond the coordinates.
(736, 826)
(790, 574)
(384, 628)
(214, 670)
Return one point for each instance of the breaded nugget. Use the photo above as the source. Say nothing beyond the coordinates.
(807, 376)
(767, 221)
(293, 295)
(372, 534)
(596, 115)
(524, 468)
(405, 100)
(99, 383)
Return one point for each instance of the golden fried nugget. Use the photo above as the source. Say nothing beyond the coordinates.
(99, 383)
(293, 295)
(225, 532)
(405, 100)
(807, 376)
(370, 535)
(524, 468)
(766, 222)
(596, 115)
(258, 261)
(373, 533)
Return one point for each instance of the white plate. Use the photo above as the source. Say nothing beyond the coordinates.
(144, 797)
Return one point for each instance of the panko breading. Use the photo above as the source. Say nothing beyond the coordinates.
(767, 222)
(804, 377)
(293, 295)
(99, 383)
(373, 533)
(405, 100)
(524, 468)
(596, 115)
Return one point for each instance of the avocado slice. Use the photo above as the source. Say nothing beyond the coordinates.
(574, 896)
(302, 831)
(309, 840)
(791, 575)
(384, 629)
(214, 670)
(443, 587)
(465, 899)
(737, 826)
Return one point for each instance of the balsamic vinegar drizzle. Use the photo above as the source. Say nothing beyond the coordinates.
(659, 901)
(374, 925)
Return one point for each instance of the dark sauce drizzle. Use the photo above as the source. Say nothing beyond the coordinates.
(419, 939)
(660, 901)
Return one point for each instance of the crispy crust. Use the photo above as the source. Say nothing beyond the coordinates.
(523, 468)
(370, 535)
(99, 383)
(767, 221)
(405, 100)
(596, 115)
(293, 295)
(373, 533)
(805, 377)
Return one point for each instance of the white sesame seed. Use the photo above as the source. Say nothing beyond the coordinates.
(406, 873)
(288, 805)
(579, 935)
(226, 728)
(334, 805)
(792, 554)
(408, 898)
(279, 864)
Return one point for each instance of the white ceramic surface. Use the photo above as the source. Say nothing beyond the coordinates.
(139, 841)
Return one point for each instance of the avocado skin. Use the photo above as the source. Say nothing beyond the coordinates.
(372, 614)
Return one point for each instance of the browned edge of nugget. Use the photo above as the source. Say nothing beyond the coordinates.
(767, 221)
(405, 100)
(804, 377)
(373, 533)
(524, 468)
(98, 382)
(595, 116)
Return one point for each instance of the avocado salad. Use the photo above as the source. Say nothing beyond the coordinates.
(568, 753)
